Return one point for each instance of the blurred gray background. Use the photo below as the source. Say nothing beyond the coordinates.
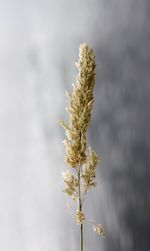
(39, 43)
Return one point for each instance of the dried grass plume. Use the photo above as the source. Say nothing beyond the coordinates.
(82, 164)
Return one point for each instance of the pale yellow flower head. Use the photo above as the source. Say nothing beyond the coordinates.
(79, 108)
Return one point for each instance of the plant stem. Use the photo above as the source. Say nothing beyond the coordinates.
(80, 207)
(81, 237)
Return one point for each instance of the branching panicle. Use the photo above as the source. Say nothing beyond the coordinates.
(80, 102)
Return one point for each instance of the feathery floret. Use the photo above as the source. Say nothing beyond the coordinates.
(79, 217)
(70, 183)
(99, 229)
(89, 170)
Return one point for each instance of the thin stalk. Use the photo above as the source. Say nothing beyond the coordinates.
(81, 237)
(80, 207)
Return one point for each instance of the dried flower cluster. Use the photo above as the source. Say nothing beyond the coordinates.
(70, 183)
(79, 217)
(99, 229)
(80, 102)
(89, 170)
(79, 108)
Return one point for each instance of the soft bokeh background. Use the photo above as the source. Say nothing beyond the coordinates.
(38, 48)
